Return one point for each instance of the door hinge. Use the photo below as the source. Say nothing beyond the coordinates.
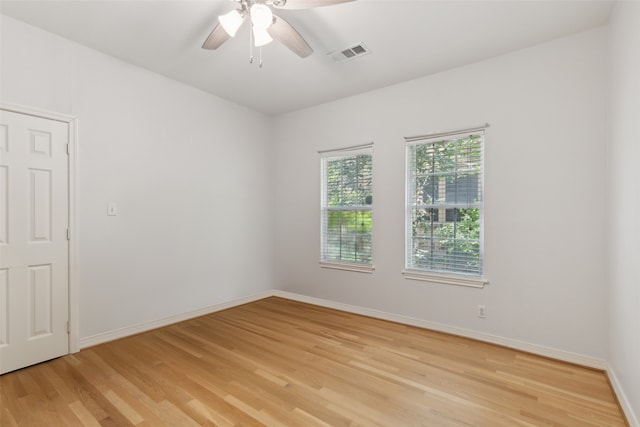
(68, 148)
(68, 234)
(68, 327)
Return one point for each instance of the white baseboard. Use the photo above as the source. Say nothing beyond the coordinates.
(632, 418)
(147, 326)
(554, 353)
(566, 356)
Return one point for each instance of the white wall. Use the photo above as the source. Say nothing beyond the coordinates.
(624, 355)
(191, 180)
(545, 187)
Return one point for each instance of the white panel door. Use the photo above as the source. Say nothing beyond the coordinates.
(34, 246)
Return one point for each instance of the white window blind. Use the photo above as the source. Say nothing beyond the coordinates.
(445, 203)
(346, 202)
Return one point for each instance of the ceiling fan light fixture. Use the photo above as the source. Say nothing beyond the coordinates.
(231, 21)
(261, 37)
(261, 16)
(265, 25)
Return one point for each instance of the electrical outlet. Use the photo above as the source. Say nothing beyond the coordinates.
(482, 311)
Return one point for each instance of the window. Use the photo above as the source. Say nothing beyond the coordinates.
(346, 208)
(445, 206)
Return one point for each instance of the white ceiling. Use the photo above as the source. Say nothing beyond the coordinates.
(408, 39)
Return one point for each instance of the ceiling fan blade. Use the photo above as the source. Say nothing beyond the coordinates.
(216, 38)
(305, 4)
(282, 31)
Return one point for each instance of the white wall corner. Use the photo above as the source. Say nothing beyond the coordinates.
(632, 417)
(154, 324)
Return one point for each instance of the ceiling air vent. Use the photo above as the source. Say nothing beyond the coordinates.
(349, 53)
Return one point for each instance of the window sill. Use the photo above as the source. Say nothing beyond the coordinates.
(360, 268)
(447, 279)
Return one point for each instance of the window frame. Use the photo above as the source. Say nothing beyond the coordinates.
(412, 272)
(325, 156)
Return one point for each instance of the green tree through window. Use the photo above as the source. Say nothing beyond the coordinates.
(346, 209)
(445, 204)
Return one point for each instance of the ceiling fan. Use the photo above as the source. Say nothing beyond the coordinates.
(266, 25)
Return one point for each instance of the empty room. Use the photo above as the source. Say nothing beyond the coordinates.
(320, 213)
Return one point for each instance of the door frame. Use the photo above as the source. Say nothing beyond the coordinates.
(74, 294)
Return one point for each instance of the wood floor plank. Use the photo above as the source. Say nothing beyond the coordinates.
(277, 362)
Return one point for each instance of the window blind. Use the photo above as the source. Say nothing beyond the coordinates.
(346, 205)
(445, 203)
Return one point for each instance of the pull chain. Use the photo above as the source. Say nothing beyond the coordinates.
(250, 46)
(251, 41)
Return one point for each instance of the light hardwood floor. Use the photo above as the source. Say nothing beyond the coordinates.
(279, 362)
